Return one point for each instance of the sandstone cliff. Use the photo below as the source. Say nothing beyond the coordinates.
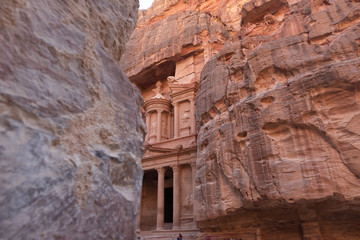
(277, 110)
(170, 31)
(71, 134)
(278, 125)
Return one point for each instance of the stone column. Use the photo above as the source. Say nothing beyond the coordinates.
(138, 220)
(172, 125)
(258, 234)
(176, 120)
(160, 200)
(192, 116)
(193, 173)
(147, 126)
(158, 129)
(176, 197)
(169, 125)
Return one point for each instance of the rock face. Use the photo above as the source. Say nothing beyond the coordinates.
(71, 133)
(278, 145)
(278, 116)
(171, 31)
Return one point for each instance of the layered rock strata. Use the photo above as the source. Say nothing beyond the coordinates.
(164, 58)
(71, 133)
(277, 110)
(278, 125)
(172, 31)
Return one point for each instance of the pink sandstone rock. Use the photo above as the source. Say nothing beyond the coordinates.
(173, 30)
(71, 133)
(277, 110)
(278, 126)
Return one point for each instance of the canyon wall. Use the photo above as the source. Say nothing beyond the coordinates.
(172, 31)
(278, 115)
(277, 110)
(71, 133)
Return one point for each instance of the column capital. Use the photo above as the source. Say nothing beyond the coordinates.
(160, 170)
(193, 165)
(175, 168)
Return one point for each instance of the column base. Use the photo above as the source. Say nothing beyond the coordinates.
(194, 225)
(159, 228)
(176, 228)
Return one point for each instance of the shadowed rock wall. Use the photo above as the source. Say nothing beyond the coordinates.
(71, 133)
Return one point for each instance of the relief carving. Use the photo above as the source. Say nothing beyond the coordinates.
(188, 204)
(158, 90)
(153, 129)
(172, 79)
(185, 118)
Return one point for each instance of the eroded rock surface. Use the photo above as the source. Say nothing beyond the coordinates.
(278, 118)
(71, 133)
(170, 31)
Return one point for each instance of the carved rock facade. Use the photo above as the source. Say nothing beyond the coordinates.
(164, 58)
(277, 110)
(169, 161)
(71, 133)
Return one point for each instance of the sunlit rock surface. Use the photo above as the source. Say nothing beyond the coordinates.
(171, 31)
(278, 116)
(277, 110)
(71, 133)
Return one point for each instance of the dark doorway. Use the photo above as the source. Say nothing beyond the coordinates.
(168, 208)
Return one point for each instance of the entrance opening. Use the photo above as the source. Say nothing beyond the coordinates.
(168, 208)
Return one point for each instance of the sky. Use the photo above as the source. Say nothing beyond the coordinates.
(144, 4)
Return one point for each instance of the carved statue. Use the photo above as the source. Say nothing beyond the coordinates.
(153, 129)
(172, 79)
(185, 117)
(163, 126)
(187, 204)
(158, 90)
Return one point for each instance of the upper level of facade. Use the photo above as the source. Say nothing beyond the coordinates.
(169, 112)
(171, 118)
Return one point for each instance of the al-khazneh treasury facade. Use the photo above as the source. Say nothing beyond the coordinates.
(169, 161)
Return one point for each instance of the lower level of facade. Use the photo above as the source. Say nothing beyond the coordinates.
(167, 194)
